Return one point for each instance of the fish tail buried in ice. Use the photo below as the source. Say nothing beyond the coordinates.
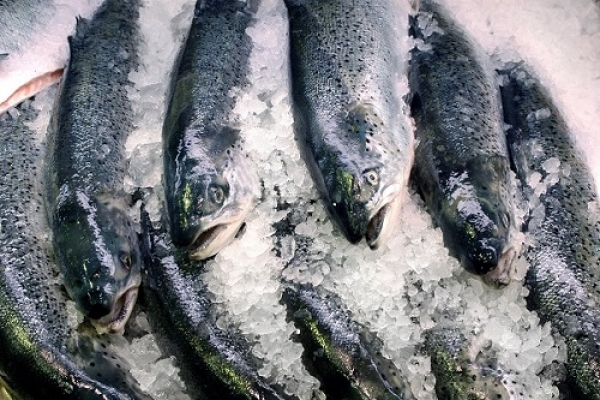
(463, 372)
(94, 237)
(209, 186)
(42, 357)
(461, 160)
(349, 114)
(342, 355)
(215, 364)
(563, 224)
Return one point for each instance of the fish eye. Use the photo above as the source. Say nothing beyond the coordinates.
(371, 177)
(216, 195)
(125, 260)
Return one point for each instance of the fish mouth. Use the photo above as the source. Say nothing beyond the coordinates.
(385, 218)
(118, 317)
(502, 274)
(211, 240)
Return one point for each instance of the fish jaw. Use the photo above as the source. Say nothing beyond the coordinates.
(385, 218)
(123, 306)
(214, 238)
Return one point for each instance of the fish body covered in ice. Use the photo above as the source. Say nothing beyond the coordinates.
(461, 371)
(94, 237)
(209, 185)
(33, 44)
(214, 364)
(42, 356)
(563, 224)
(341, 354)
(346, 79)
(461, 160)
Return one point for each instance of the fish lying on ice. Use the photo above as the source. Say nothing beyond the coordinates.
(563, 224)
(214, 363)
(462, 371)
(42, 357)
(33, 44)
(461, 160)
(94, 237)
(338, 352)
(346, 80)
(209, 185)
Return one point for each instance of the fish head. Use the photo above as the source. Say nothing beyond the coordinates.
(482, 231)
(207, 209)
(364, 205)
(100, 259)
(366, 184)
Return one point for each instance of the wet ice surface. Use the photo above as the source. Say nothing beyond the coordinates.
(398, 291)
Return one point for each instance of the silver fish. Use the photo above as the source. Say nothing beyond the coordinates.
(461, 161)
(209, 185)
(94, 237)
(33, 44)
(563, 223)
(349, 115)
(42, 357)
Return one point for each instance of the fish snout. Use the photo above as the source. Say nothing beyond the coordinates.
(96, 304)
(484, 257)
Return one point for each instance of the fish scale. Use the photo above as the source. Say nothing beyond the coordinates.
(94, 237)
(461, 161)
(563, 256)
(209, 185)
(36, 341)
(346, 80)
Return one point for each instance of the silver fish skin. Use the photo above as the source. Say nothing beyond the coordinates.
(210, 187)
(343, 355)
(42, 357)
(94, 238)
(463, 370)
(33, 44)
(215, 364)
(461, 160)
(347, 70)
(563, 224)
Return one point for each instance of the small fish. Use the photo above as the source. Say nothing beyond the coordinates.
(94, 237)
(214, 363)
(33, 44)
(462, 371)
(42, 357)
(210, 187)
(347, 71)
(563, 224)
(461, 160)
(340, 353)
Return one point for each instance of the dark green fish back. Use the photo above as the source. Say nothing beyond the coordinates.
(41, 356)
(205, 171)
(461, 160)
(346, 67)
(95, 114)
(563, 222)
(94, 237)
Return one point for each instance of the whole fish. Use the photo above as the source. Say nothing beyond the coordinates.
(33, 44)
(42, 357)
(461, 371)
(563, 224)
(461, 160)
(94, 237)
(209, 186)
(346, 77)
(214, 364)
(340, 353)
